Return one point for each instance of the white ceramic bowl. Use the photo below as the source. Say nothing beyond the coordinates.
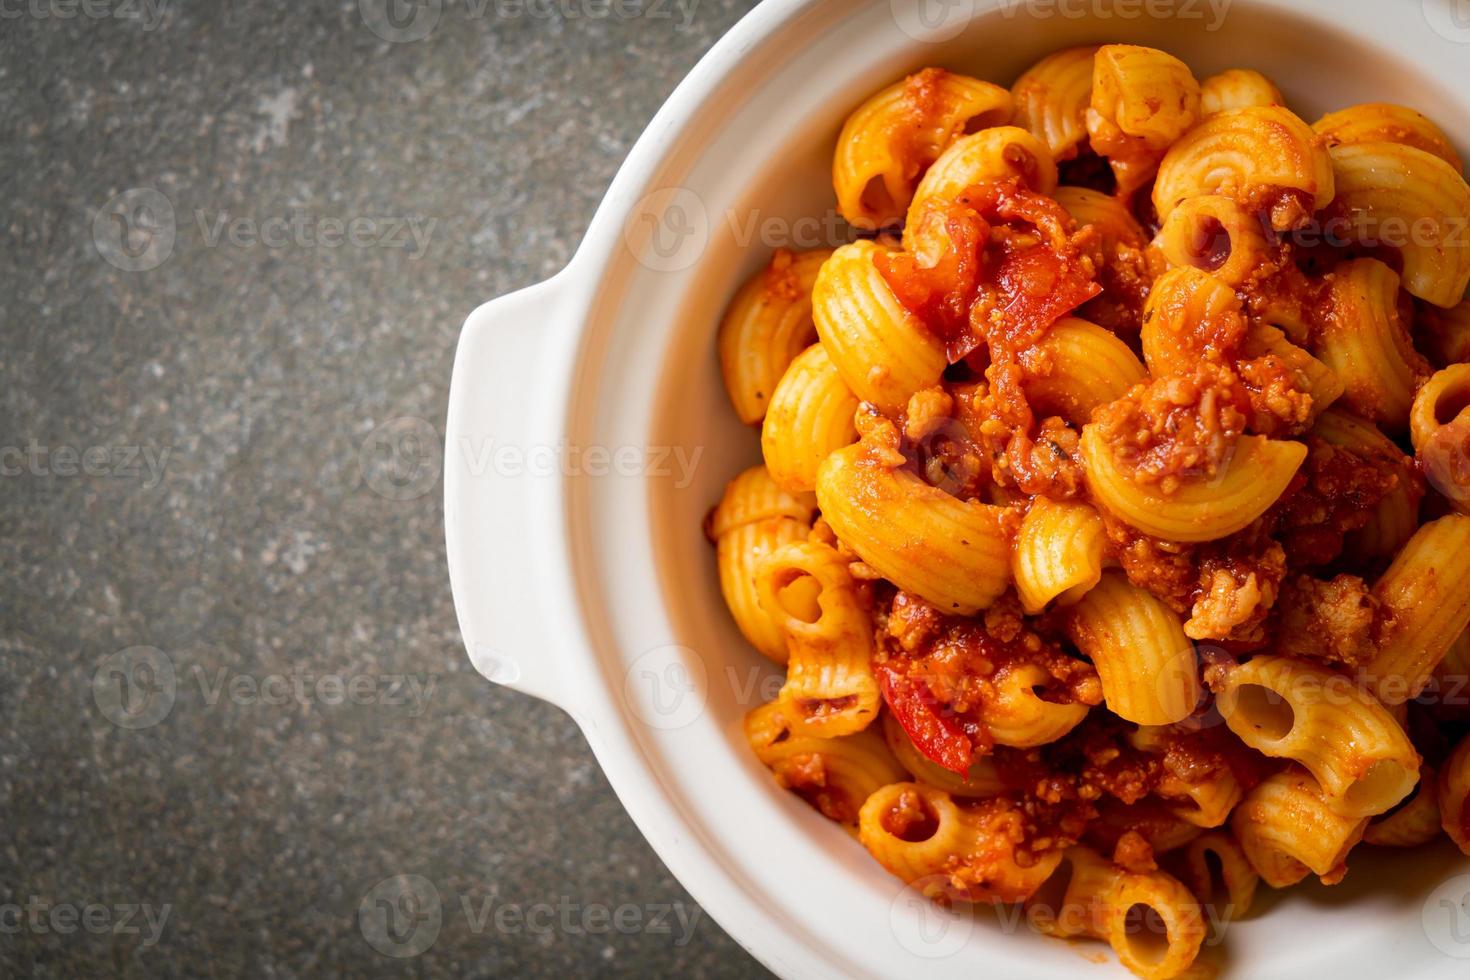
(579, 569)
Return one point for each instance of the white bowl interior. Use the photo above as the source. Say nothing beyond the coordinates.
(649, 376)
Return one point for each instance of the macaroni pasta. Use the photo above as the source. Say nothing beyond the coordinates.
(1088, 531)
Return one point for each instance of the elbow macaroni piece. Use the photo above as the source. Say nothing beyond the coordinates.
(1058, 554)
(739, 553)
(1288, 829)
(982, 780)
(1383, 122)
(753, 496)
(880, 349)
(953, 553)
(1248, 154)
(1237, 88)
(1322, 383)
(1202, 510)
(835, 775)
(1145, 662)
(1187, 311)
(1143, 100)
(1217, 235)
(1415, 822)
(1017, 716)
(1162, 941)
(830, 689)
(966, 852)
(1072, 902)
(991, 154)
(810, 417)
(1088, 366)
(1454, 795)
(1425, 598)
(754, 518)
(1439, 425)
(1109, 215)
(892, 137)
(1366, 343)
(767, 324)
(1351, 744)
(1151, 920)
(1401, 196)
(1210, 800)
(1237, 879)
(1396, 517)
(1052, 97)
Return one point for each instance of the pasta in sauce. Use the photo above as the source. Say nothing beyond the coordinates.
(1116, 506)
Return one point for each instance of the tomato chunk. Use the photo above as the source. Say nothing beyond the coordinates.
(938, 739)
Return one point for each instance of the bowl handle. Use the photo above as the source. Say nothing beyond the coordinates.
(503, 523)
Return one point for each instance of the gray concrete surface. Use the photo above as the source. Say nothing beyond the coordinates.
(232, 695)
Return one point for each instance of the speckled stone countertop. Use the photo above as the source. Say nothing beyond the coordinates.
(240, 240)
